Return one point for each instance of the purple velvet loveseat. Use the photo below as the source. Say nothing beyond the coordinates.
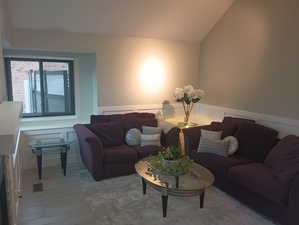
(263, 173)
(102, 143)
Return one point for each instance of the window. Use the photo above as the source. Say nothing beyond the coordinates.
(46, 87)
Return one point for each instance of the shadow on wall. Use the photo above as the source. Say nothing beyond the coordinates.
(168, 110)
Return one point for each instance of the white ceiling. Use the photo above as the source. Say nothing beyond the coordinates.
(188, 20)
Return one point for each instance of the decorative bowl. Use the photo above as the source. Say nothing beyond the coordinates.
(167, 163)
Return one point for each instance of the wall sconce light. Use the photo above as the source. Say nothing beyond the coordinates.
(152, 75)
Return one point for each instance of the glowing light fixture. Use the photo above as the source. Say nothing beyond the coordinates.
(152, 75)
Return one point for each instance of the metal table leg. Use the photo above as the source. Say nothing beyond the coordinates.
(202, 196)
(39, 160)
(143, 186)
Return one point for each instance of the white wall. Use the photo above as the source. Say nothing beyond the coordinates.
(2, 75)
(115, 81)
(119, 60)
(205, 114)
(2, 80)
(5, 38)
(249, 61)
(119, 69)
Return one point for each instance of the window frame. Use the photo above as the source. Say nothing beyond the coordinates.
(71, 76)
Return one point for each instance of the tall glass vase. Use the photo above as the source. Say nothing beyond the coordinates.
(187, 116)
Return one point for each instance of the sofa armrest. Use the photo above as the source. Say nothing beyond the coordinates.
(293, 202)
(91, 151)
(170, 138)
(192, 136)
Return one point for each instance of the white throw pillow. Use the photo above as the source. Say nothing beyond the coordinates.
(150, 139)
(218, 147)
(233, 144)
(212, 135)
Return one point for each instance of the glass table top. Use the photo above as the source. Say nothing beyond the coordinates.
(198, 178)
(49, 142)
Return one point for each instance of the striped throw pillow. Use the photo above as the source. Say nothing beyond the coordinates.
(150, 139)
(218, 147)
(208, 134)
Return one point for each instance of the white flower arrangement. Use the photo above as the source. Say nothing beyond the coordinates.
(188, 96)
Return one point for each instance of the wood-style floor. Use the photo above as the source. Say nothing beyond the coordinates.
(60, 202)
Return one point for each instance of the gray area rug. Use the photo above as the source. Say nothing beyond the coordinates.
(119, 201)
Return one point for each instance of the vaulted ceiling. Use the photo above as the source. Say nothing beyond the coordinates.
(188, 20)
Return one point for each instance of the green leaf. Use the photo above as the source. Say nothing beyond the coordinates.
(187, 100)
(195, 100)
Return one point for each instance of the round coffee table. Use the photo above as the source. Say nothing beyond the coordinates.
(191, 184)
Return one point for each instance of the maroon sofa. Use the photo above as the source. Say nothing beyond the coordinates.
(102, 143)
(263, 173)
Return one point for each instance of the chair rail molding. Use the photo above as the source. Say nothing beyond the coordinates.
(207, 113)
(152, 108)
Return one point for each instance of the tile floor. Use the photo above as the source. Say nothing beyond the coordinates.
(60, 203)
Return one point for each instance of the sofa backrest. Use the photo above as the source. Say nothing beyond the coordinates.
(255, 141)
(232, 124)
(111, 133)
(112, 129)
(118, 117)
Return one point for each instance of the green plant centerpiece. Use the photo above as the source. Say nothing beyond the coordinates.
(170, 162)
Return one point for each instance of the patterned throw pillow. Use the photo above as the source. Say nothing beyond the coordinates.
(133, 137)
(218, 147)
(150, 139)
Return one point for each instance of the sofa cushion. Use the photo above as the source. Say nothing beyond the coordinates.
(145, 151)
(258, 178)
(231, 125)
(138, 123)
(284, 159)
(219, 165)
(120, 154)
(111, 133)
(255, 141)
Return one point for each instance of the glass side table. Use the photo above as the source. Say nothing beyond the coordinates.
(50, 145)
